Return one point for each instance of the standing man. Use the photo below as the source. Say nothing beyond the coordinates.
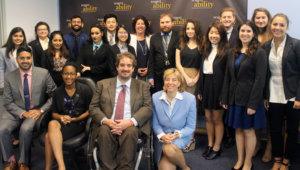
(162, 51)
(24, 100)
(121, 109)
(75, 39)
(227, 18)
(111, 23)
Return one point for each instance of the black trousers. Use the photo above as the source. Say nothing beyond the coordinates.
(278, 113)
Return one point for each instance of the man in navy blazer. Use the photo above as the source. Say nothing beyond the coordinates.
(227, 18)
(24, 100)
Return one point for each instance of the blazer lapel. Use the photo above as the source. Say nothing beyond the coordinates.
(166, 108)
(287, 48)
(19, 83)
(176, 107)
(133, 93)
(112, 91)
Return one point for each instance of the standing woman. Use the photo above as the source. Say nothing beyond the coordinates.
(283, 90)
(96, 57)
(55, 57)
(41, 42)
(262, 18)
(242, 92)
(8, 53)
(188, 59)
(140, 41)
(210, 86)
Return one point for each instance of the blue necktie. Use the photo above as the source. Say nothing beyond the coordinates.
(26, 93)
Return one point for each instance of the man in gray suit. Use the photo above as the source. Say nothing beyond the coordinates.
(24, 100)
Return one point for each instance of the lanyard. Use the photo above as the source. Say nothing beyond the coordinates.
(166, 46)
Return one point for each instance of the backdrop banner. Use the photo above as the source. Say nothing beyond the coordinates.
(93, 11)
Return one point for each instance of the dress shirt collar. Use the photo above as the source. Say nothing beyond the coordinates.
(95, 46)
(230, 30)
(281, 44)
(164, 96)
(214, 46)
(168, 34)
(29, 72)
(127, 83)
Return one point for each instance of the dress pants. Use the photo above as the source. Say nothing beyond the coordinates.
(117, 152)
(25, 136)
(277, 113)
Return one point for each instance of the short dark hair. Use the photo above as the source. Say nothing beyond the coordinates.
(76, 16)
(70, 63)
(23, 48)
(110, 16)
(147, 30)
(39, 24)
(126, 55)
(117, 30)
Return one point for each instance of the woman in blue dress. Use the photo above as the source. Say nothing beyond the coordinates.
(174, 121)
(242, 92)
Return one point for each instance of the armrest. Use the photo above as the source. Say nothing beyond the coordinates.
(43, 121)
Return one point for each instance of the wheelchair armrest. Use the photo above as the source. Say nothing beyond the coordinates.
(88, 125)
(42, 121)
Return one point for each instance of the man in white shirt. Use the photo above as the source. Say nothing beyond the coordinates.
(227, 18)
(111, 23)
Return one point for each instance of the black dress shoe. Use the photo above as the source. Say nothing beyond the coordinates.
(207, 151)
(213, 155)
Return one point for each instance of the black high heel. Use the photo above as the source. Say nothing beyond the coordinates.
(207, 152)
(213, 154)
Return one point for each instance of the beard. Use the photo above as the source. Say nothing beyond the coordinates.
(166, 29)
(76, 29)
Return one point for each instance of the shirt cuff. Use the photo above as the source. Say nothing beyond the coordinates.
(150, 79)
(102, 120)
(135, 123)
(160, 135)
(179, 132)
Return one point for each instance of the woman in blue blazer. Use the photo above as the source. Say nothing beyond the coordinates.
(283, 90)
(174, 121)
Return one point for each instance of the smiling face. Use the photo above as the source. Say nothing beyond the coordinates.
(140, 26)
(166, 24)
(171, 83)
(261, 19)
(57, 41)
(214, 35)
(111, 24)
(246, 34)
(76, 24)
(227, 19)
(190, 30)
(96, 35)
(279, 27)
(42, 31)
(18, 38)
(69, 75)
(122, 35)
(125, 68)
(24, 60)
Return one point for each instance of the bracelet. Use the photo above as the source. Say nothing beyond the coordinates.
(131, 123)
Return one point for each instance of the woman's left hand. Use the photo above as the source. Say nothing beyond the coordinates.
(85, 68)
(296, 105)
(250, 111)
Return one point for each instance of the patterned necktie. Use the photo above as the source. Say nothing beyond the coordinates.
(120, 104)
(26, 93)
(111, 40)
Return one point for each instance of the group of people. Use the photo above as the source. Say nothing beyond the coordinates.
(246, 75)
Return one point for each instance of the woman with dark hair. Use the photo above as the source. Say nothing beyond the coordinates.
(96, 57)
(283, 91)
(55, 57)
(41, 41)
(69, 112)
(261, 18)
(210, 85)
(140, 41)
(122, 42)
(242, 92)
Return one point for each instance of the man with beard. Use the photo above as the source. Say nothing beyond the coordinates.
(227, 19)
(162, 51)
(121, 110)
(24, 100)
(111, 23)
(75, 39)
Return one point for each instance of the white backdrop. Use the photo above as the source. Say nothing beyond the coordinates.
(26, 13)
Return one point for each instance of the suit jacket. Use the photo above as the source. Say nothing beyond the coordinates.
(219, 65)
(290, 68)
(37, 51)
(101, 62)
(14, 101)
(157, 57)
(233, 37)
(102, 103)
(245, 89)
(6, 65)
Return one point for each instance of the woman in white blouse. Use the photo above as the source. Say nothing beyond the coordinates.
(283, 90)
(210, 85)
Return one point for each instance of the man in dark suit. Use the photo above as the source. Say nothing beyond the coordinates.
(121, 110)
(162, 51)
(227, 18)
(24, 100)
(111, 23)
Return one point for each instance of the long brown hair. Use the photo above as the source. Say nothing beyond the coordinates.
(63, 50)
(265, 33)
(184, 39)
(10, 46)
(222, 45)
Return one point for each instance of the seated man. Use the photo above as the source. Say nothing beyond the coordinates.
(25, 101)
(122, 107)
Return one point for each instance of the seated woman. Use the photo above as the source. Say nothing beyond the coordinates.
(69, 110)
(174, 121)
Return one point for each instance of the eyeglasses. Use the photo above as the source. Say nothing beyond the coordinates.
(124, 33)
(44, 29)
(69, 74)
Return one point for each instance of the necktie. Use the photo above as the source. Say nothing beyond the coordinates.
(76, 46)
(95, 50)
(26, 93)
(111, 40)
(120, 104)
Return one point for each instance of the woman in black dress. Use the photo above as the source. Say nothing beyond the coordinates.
(210, 85)
(242, 92)
(96, 56)
(69, 111)
(55, 57)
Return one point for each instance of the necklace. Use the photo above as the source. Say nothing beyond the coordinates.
(145, 47)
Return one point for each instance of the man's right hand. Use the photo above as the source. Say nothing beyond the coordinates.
(151, 82)
(110, 123)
